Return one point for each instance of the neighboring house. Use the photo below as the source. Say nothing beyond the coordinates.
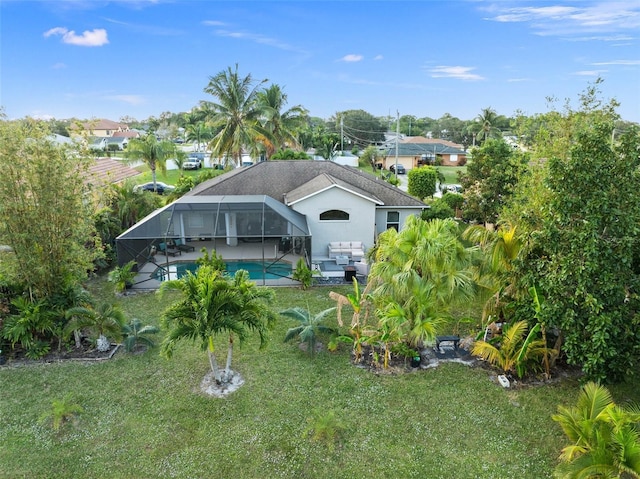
(120, 142)
(97, 143)
(315, 202)
(98, 128)
(60, 139)
(414, 151)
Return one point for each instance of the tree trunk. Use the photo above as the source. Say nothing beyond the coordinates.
(213, 363)
(227, 367)
(76, 336)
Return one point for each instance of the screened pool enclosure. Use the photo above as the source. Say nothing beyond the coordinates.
(240, 228)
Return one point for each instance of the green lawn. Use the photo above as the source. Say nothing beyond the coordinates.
(451, 173)
(145, 417)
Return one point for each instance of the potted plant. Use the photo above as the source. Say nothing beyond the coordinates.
(122, 277)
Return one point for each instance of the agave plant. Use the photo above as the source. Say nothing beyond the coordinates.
(135, 333)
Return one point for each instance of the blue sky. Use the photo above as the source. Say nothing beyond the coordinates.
(107, 59)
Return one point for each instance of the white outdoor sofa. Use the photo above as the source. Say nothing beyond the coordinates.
(353, 249)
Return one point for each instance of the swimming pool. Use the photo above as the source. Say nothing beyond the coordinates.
(257, 269)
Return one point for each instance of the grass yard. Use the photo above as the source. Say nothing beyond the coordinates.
(144, 416)
(451, 173)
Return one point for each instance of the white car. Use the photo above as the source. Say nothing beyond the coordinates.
(192, 164)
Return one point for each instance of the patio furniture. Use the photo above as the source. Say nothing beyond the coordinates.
(454, 340)
(349, 273)
(342, 260)
(183, 246)
(362, 268)
(354, 249)
(168, 251)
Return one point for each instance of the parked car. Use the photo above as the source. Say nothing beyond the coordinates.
(161, 188)
(454, 188)
(192, 164)
(401, 170)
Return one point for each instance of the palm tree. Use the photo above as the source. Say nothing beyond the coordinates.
(198, 132)
(213, 304)
(236, 111)
(309, 328)
(428, 252)
(134, 332)
(500, 249)
(516, 353)
(105, 320)
(152, 152)
(281, 125)
(486, 122)
(605, 437)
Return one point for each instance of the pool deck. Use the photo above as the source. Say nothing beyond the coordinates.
(243, 252)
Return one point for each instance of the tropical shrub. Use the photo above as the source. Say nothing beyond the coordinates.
(32, 326)
(123, 276)
(604, 437)
(102, 322)
(519, 352)
(62, 411)
(303, 274)
(134, 333)
(325, 427)
(422, 181)
(310, 326)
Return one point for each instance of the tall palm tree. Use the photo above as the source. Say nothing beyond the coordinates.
(486, 121)
(236, 112)
(213, 304)
(282, 125)
(152, 152)
(309, 328)
(605, 437)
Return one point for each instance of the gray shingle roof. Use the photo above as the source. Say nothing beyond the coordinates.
(278, 178)
(417, 149)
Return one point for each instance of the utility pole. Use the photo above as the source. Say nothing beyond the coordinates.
(397, 137)
(341, 135)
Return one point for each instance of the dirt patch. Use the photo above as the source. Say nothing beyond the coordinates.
(211, 388)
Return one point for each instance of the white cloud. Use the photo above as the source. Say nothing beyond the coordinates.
(352, 58)
(589, 19)
(458, 72)
(516, 80)
(261, 39)
(589, 73)
(213, 23)
(130, 99)
(89, 38)
(58, 66)
(619, 62)
(378, 57)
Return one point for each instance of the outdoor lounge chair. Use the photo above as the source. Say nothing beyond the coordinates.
(183, 246)
(168, 251)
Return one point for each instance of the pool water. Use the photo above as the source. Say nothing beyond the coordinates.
(256, 269)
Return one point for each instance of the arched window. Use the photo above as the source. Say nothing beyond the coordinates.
(334, 215)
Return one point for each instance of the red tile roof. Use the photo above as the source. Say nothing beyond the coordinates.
(103, 124)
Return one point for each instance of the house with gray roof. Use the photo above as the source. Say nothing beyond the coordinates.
(288, 207)
(415, 151)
